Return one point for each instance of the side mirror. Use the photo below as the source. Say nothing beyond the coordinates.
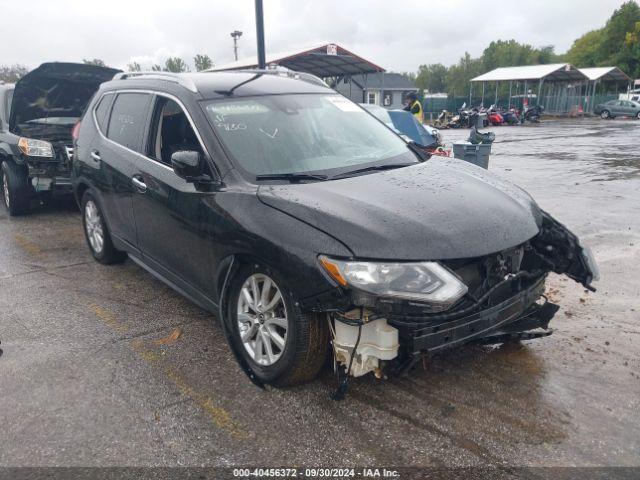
(188, 165)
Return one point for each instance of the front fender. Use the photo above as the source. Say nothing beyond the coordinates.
(562, 252)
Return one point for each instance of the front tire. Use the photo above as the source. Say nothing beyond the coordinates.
(97, 234)
(281, 345)
(605, 114)
(638, 115)
(15, 189)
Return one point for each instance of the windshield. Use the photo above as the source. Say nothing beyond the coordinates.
(304, 133)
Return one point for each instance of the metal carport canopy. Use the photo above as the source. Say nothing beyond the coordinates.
(326, 60)
(606, 74)
(555, 72)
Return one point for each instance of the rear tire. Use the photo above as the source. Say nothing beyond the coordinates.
(605, 114)
(638, 115)
(97, 233)
(298, 342)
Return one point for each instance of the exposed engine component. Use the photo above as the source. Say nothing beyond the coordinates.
(377, 341)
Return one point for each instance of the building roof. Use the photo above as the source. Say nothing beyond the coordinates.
(325, 60)
(550, 72)
(606, 74)
(383, 81)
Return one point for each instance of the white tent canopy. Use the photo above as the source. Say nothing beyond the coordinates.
(606, 74)
(550, 72)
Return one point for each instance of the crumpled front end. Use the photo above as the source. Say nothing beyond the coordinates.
(504, 300)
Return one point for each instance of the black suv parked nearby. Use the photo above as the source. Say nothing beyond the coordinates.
(37, 116)
(304, 222)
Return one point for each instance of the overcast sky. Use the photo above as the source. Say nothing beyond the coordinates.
(397, 35)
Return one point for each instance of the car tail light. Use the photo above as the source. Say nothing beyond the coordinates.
(75, 132)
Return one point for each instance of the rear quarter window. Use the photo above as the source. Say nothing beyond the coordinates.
(102, 110)
(128, 119)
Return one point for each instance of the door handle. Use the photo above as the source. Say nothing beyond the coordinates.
(139, 184)
(95, 154)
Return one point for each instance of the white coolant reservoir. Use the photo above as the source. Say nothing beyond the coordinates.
(378, 341)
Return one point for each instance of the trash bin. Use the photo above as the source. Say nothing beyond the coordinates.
(476, 154)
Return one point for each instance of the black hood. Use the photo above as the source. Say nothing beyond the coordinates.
(441, 209)
(54, 90)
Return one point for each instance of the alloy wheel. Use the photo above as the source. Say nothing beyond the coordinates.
(93, 226)
(262, 319)
(604, 114)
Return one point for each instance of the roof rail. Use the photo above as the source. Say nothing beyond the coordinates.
(185, 81)
(286, 72)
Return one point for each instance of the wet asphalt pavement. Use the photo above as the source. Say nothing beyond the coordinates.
(91, 375)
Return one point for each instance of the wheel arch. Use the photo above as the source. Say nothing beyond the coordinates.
(79, 191)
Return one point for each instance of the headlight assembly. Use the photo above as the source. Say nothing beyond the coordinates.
(427, 282)
(35, 148)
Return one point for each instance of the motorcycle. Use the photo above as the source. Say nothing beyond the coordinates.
(443, 119)
(464, 119)
(494, 117)
(511, 117)
(532, 114)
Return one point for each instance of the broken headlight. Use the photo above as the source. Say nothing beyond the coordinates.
(35, 148)
(427, 282)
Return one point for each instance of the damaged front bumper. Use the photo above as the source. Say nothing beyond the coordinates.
(522, 316)
(51, 174)
(519, 317)
(505, 301)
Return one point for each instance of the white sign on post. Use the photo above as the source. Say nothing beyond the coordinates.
(332, 49)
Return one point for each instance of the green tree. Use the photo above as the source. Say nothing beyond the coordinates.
(202, 62)
(459, 75)
(409, 76)
(609, 46)
(156, 68)
(432, 77)
(94, 61)
(622, 21)
(585, 50)
(12, 73)
(134, 67)
(176, 65)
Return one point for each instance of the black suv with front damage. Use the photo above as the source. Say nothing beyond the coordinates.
(305, 224)
(37, 116)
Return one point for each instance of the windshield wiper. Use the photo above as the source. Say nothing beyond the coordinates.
(372, 168)
(291, 176)
(419, 152)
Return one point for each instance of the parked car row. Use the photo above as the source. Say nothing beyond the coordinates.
(299, 220)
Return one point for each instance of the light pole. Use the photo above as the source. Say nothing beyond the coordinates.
(262, 63)
(236, 34)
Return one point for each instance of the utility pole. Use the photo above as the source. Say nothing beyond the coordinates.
(236, 34)
(262, 62)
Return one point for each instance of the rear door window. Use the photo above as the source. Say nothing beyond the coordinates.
(128, 120)
(102, 111)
